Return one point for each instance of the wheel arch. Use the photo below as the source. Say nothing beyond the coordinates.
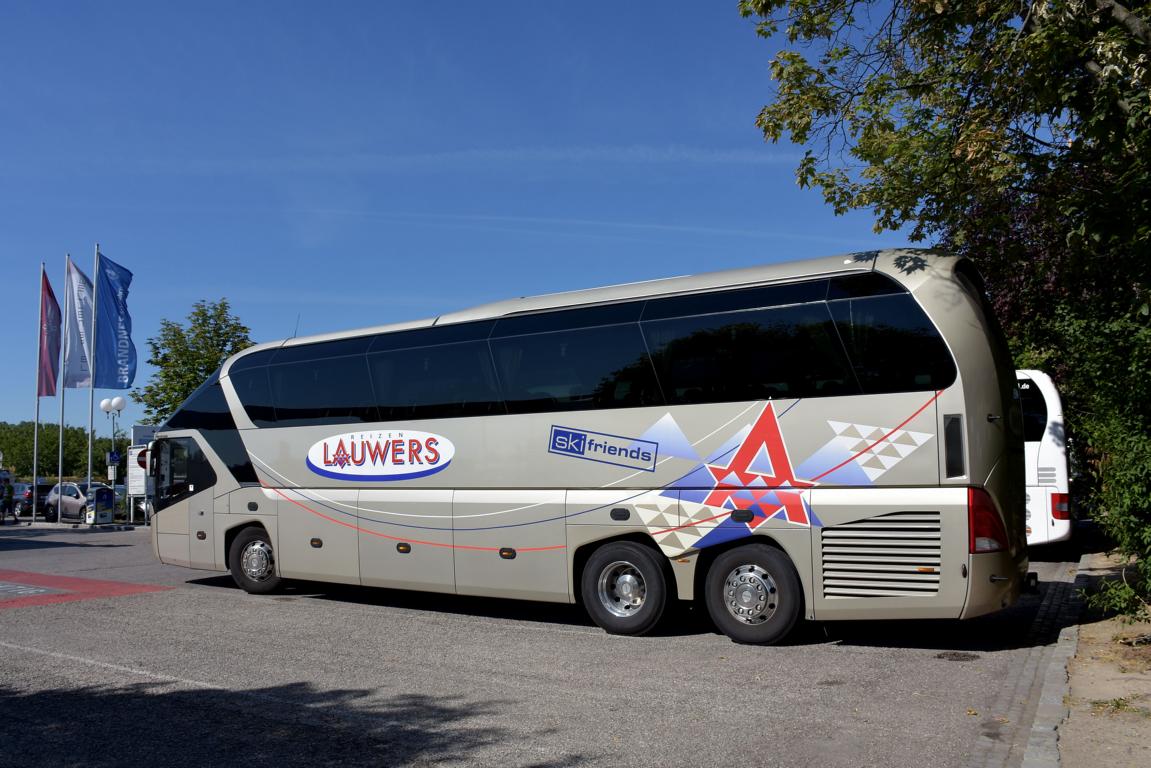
(709, 555)
(584, 552)
(231, 534)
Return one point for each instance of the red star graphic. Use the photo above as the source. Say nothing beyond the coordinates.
(735, 481)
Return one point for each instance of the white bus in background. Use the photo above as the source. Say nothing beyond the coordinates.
(1045, 454)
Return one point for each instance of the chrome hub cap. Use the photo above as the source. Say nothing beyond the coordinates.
(257, 561)
(750, 595)
(621, 589)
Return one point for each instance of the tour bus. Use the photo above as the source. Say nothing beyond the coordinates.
(1045, 458)
(830, 439)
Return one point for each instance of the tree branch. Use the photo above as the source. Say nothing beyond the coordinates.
(1133, 24)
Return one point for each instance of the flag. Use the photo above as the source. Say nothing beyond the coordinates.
(115, 358)
(49, 339)
(78, 306)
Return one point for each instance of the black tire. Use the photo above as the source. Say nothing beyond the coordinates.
(624, 588)
(254, 543)
(753, 594)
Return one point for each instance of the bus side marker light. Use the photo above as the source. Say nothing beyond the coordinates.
(317, 543)
(253, 506)
(507, 553)
(925, 570)
(742, 515)
(619, 513)
(403, 547)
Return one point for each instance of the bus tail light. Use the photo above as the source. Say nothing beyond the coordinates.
(1060, 506)
(984, 525)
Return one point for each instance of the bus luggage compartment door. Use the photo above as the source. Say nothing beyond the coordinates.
(406, 539)
(511, 544)
(317, 535)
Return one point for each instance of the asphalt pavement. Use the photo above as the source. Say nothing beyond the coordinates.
(199, 673)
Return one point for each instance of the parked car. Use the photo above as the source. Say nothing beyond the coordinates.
(23, 498)
(70, 501)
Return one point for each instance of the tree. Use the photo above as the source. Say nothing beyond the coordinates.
(184, 356)
(1015, 133)
(16, 443)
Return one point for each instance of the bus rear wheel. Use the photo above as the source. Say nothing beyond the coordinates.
(252, 562)
(753, 594)
(623, 588)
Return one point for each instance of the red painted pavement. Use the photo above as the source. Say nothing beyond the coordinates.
(74, 589)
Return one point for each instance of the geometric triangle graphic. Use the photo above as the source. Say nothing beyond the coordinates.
(672, 441)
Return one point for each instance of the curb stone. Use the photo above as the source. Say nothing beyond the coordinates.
(1043, 742)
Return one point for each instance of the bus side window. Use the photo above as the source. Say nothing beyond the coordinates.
(1034, 411)
(893, 345)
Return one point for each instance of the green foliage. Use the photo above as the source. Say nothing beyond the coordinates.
(1018, 134)
(16, 442)
(184, 356)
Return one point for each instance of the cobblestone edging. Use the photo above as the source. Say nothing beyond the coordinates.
(1043, 744)
(1021, 690)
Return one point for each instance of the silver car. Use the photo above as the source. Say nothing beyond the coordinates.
(71, 501)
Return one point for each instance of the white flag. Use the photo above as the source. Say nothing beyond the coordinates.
(77, 344)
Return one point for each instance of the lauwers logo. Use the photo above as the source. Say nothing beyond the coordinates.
(381, 456)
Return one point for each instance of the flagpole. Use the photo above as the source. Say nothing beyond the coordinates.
(92, 357)
(63, 374)
(36, 428)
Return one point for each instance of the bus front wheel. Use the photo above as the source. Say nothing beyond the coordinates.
(623, 588)
(253, 562)
(753, 594)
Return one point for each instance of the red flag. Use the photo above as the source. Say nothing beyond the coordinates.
(49, 339)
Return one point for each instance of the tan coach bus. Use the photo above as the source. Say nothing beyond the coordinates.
(829, 439)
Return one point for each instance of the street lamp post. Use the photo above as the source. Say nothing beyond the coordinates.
(113, 406)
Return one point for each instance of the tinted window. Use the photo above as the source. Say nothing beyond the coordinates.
(569, 319)
(443, 381)
(252, 388)
(893, 345)
(862, 284)
(437, 334)
(336, 348)
(604, 367)
(333, 390)
(1034, 410)
(729, 301)
(784, 352)
(207, 411)
(180, 469)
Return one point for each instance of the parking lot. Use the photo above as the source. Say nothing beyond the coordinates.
(109, 658)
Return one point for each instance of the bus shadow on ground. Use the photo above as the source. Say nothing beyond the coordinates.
(297, 724)
(1013, 628)
(679, 619)
(1030, 622)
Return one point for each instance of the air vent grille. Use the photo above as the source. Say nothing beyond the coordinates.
(892, 555)
(1046, 475)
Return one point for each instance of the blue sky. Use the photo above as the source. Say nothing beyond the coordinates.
(342, 165)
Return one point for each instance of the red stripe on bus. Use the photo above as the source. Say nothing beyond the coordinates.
(399, 538)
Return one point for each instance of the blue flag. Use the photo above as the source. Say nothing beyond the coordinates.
(115, 354)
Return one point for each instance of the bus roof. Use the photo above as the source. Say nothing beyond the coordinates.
(908, 266)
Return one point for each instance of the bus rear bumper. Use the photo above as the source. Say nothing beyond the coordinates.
(995, 581)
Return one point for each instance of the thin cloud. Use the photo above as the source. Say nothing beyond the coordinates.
(590, 227)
